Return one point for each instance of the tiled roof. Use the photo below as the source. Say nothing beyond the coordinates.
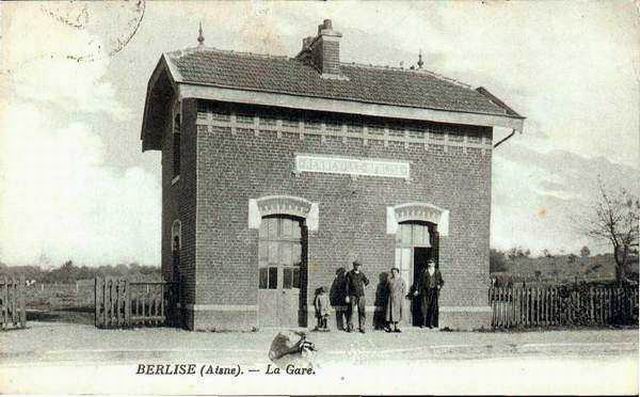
(379, 85)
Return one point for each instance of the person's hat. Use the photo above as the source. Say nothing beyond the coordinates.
(431, 262)
(357, 263)
(340, 270)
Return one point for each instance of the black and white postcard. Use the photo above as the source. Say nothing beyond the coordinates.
(313, 198)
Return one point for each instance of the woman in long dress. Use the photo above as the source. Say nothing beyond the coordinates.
(396, 290)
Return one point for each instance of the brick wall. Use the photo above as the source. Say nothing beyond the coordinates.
(326, 55)
(231, 169)
(178, 200)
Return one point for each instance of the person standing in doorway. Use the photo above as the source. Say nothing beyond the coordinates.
(432, 282)
(396, 292)
(356, 283)
(338, 297)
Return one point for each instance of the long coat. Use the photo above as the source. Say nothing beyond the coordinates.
(429, 281)
(338, 292)
(429, 291)
(396, 290)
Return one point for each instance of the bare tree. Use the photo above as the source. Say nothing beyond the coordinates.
(585, 251)
(615, 218)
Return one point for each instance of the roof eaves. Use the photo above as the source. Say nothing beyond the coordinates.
(165, 63)
(357, 100)
(498, 102)
(174, 72)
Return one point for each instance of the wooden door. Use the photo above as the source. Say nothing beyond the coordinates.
(279, 267)
(413, 248)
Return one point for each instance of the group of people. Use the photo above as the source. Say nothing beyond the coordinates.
(347, 296)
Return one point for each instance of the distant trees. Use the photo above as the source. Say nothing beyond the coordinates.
(615, 218)
(518, 252)
(69, 273)
(585, 251)
(497, 261)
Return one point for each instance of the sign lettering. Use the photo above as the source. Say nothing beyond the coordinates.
(352, 166)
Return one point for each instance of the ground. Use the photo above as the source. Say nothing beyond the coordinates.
(75, 357)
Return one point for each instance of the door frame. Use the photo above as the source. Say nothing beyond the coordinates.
(299, 316)
(433, 253)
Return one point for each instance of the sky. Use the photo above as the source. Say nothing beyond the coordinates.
(74, 183)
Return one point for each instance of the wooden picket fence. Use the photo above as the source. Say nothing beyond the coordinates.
(580, 305)
(120, 303)
(13, 313)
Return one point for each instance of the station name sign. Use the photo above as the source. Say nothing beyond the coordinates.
(352, 166)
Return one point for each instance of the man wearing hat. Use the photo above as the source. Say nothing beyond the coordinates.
(356, 283)
(430, 289)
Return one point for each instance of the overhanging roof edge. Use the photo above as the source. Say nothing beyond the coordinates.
(232, 94)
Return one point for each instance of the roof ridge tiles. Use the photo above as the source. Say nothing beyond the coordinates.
(192, 50)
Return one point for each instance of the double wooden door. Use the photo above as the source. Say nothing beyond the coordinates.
(416, 242)
(281, 272)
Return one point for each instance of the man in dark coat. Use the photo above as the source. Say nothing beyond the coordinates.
(338, 297)
(356, 283)
(430, 287)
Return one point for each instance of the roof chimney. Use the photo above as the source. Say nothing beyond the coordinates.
(323, 50)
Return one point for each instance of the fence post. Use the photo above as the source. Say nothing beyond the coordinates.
(127, 304)
(534, 306)
(509, 307)
(5, 301)
(122, 299)
(23, 309)
(498, 316)
(608, 306)
(162, 307)
(529, 306)
(591, 311)
(96, 303)
(554, 303)
(548, 303)
(494, 306)
(107, 304)
(12, 301)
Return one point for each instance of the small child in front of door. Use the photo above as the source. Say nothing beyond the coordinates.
(321, 304)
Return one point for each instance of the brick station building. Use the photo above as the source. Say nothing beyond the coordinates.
(277, 170)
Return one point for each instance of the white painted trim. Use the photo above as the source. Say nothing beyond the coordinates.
(467, 309)
(311, 217)
(303, 129)
(255, 219)
(442, 218)
(222, 308)
(202, 91)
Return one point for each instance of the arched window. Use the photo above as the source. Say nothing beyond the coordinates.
(176, 236)
(176, 245)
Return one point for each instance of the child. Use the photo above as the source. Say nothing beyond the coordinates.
(321, 304)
